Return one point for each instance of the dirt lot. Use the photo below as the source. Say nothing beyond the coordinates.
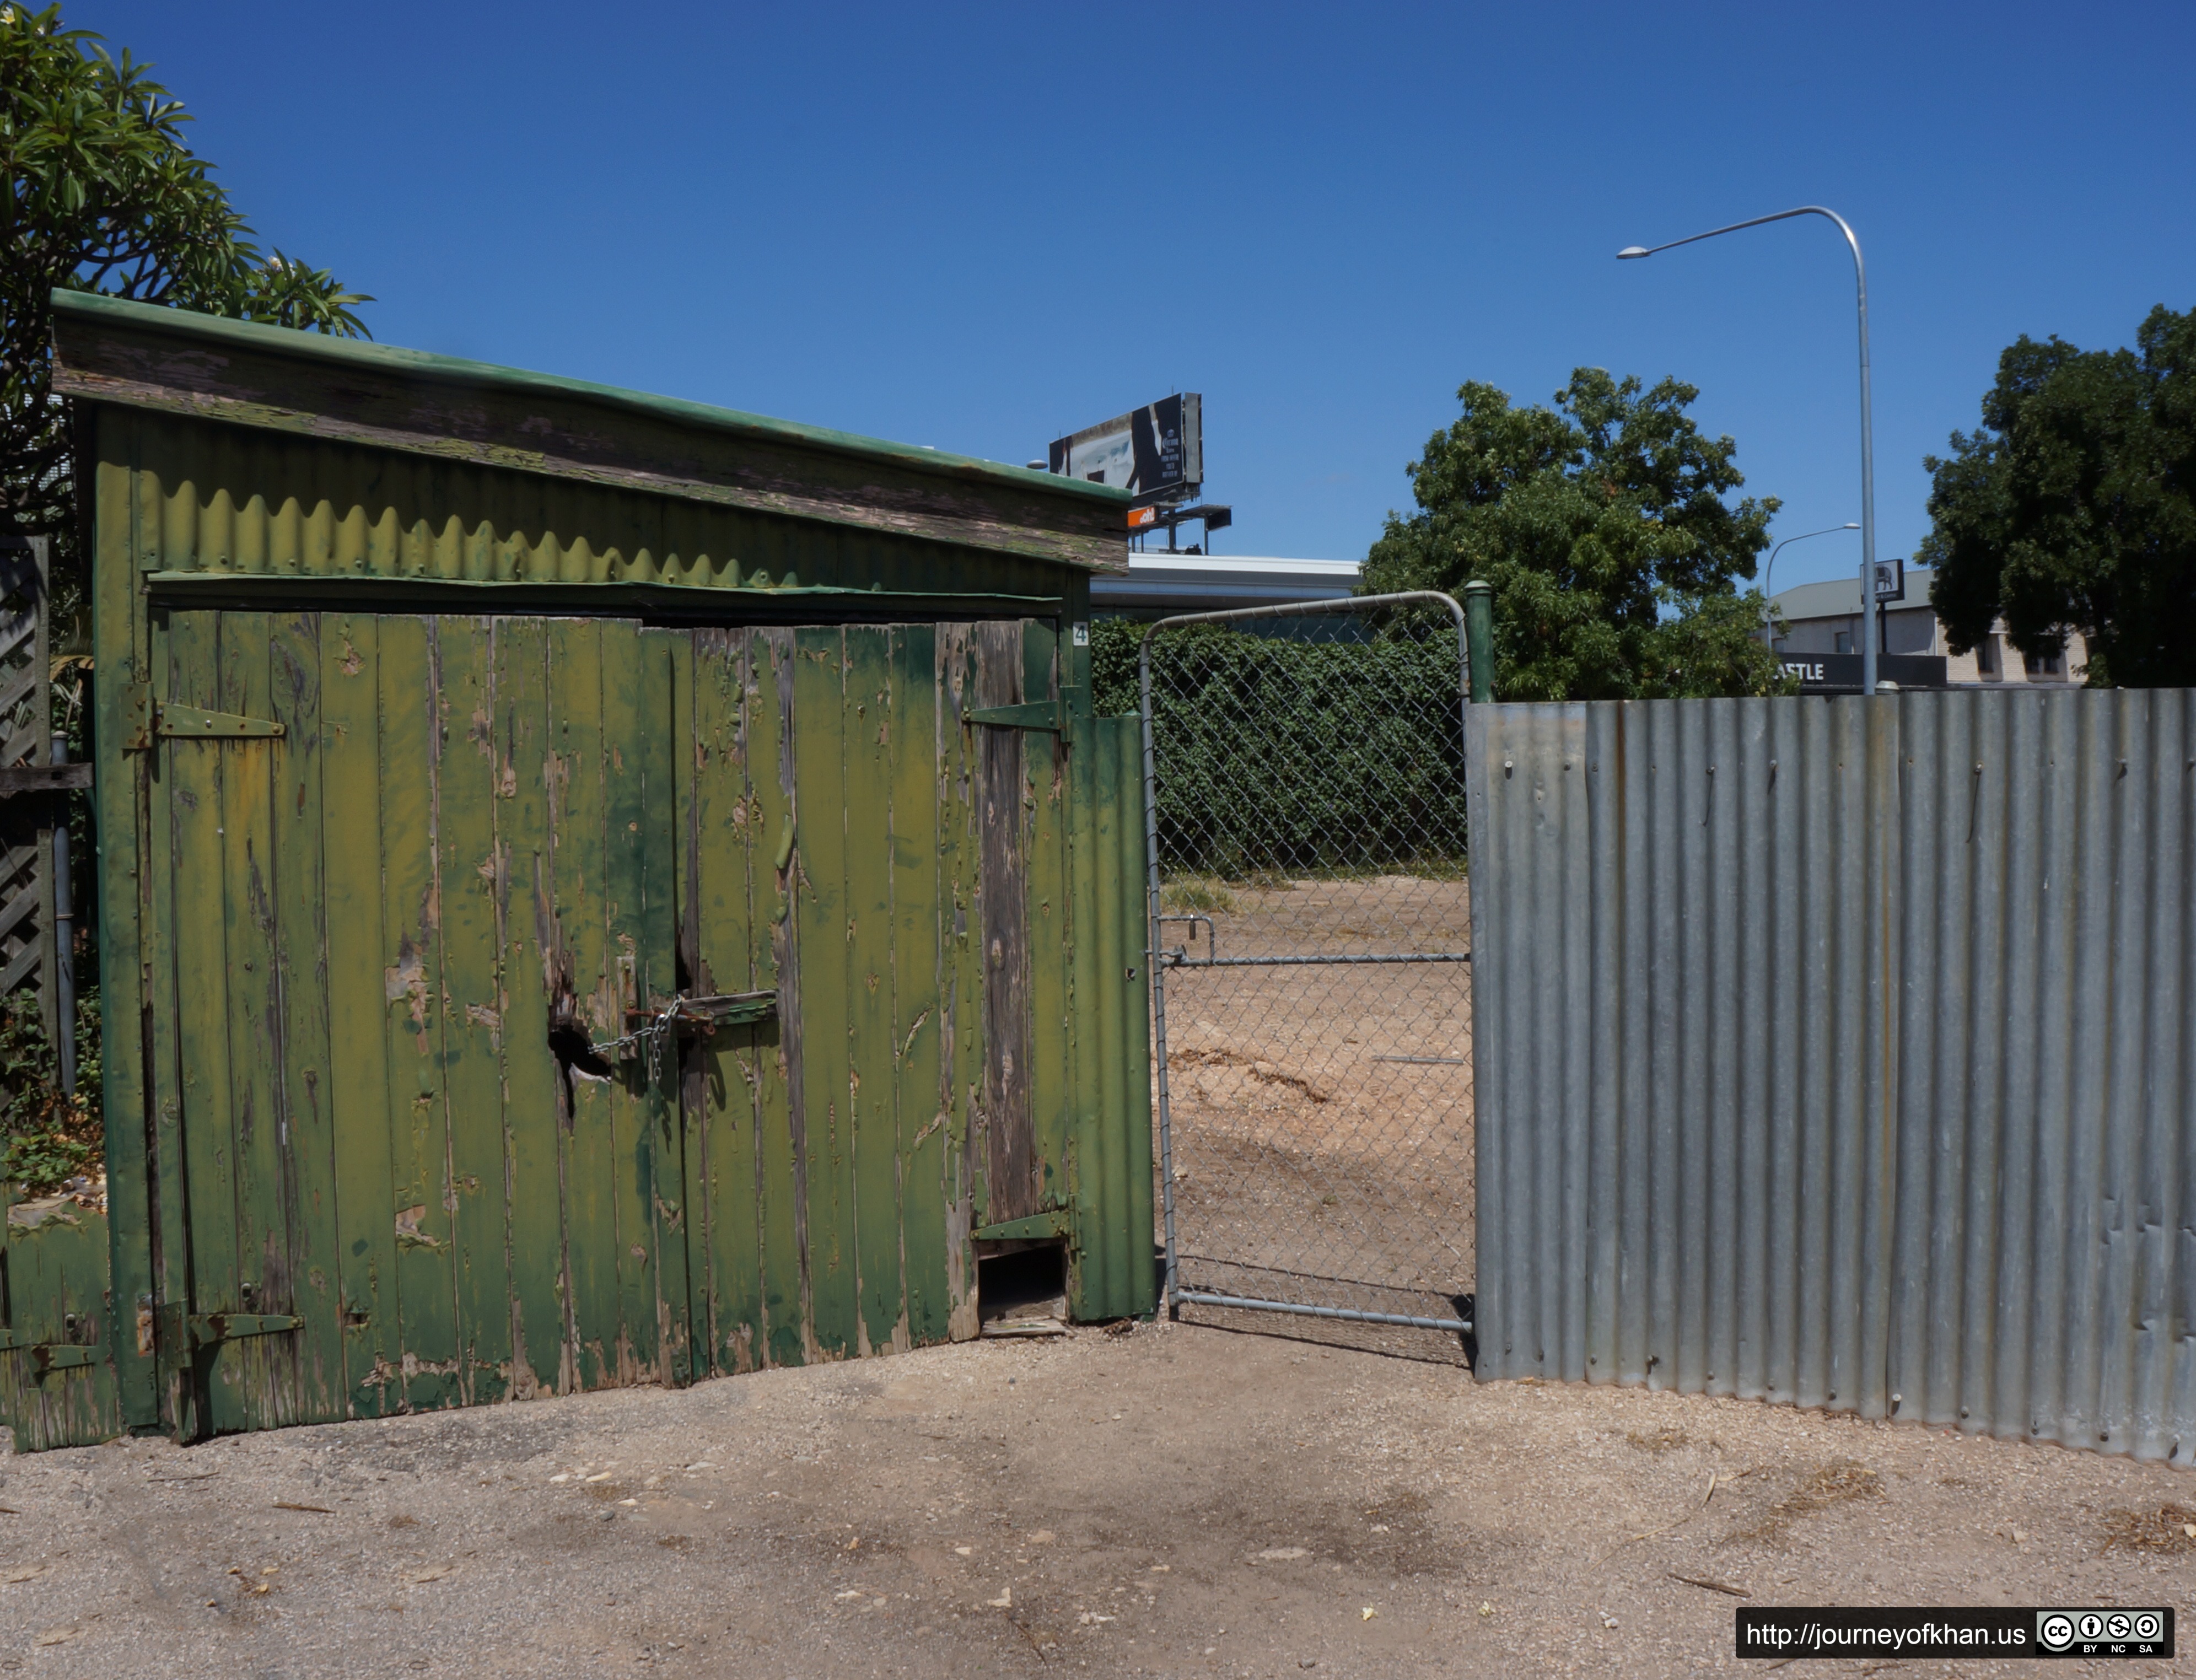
(1173, 1501)
(1322, 1110)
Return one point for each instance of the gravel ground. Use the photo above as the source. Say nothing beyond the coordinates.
(1176, 1500)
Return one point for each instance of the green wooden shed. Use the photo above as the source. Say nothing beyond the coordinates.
(594, 889)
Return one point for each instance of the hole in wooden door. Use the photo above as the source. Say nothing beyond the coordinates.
(1021, 1284)
(575, 1053)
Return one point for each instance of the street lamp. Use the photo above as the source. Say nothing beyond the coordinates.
(1768, 637)
(1868, 605)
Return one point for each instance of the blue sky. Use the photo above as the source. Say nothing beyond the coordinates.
(978, 227)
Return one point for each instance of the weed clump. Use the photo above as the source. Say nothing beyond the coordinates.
(2169, 1528)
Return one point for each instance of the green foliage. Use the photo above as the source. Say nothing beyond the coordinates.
(46, 1138)
(1300, 757)
(2074, 506)
(1603, 525)
(98, 193)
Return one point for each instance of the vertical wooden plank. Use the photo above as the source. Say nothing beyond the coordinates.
(176, 1399)
(357, 1094)
(526, 935)
(688, 754)
(658, 748)
(820, 902)
(253, 1382)
(625, 893)
(640, 889)
(305, 1092)
(960, 974)
(1047, 806)
(921, 897)
(723, 833)
(129, 946)
(422, 1204)
(781, 1091)
(1010, 1186)
(467, 865)
(760, 1098)
(195, 1116)
(867, 724)
(591, 1009)
(1095, 1103)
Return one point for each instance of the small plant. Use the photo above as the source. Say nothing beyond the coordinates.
(47, 1138)
(1197, 892)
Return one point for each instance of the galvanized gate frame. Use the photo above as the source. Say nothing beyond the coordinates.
(1160, 960)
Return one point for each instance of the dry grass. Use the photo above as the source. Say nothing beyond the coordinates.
(1842, 1481)
(2169, 1528)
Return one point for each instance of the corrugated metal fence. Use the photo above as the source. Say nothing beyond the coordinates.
(1842, 1052)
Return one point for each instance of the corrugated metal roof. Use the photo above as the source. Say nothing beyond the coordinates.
(228, 376)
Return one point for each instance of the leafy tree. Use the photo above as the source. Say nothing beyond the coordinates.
(98, 193)
(2073, 507)
(1602, 524)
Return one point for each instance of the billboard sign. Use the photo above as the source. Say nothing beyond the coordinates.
(1891, 580)
(1156, 452)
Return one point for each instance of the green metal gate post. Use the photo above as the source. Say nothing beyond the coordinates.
(1479, 638)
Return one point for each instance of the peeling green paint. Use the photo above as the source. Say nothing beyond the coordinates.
(499, 828)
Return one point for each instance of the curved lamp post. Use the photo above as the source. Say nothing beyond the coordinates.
(1768, 636)
(1868, 606)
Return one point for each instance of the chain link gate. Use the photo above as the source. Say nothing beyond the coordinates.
(1304, 789)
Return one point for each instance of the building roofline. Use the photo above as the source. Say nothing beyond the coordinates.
(216, 333)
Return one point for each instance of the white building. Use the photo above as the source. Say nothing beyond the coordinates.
(1824, 618)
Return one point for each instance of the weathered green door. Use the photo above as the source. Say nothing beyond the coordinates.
(414, 882)
(386, 935)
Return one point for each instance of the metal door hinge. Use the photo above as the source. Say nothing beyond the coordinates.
(189, 723)
(1055, 716)
(143, 718)
(47, 1356)
(1035, 1228)
(208, 1327)
(135, 706)
(62, 1356)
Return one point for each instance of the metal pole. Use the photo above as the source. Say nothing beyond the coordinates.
(1870, 610)
(1479, 616)
(1769, 572)
(64, 941)
(1868, 605)
(1151, 970)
